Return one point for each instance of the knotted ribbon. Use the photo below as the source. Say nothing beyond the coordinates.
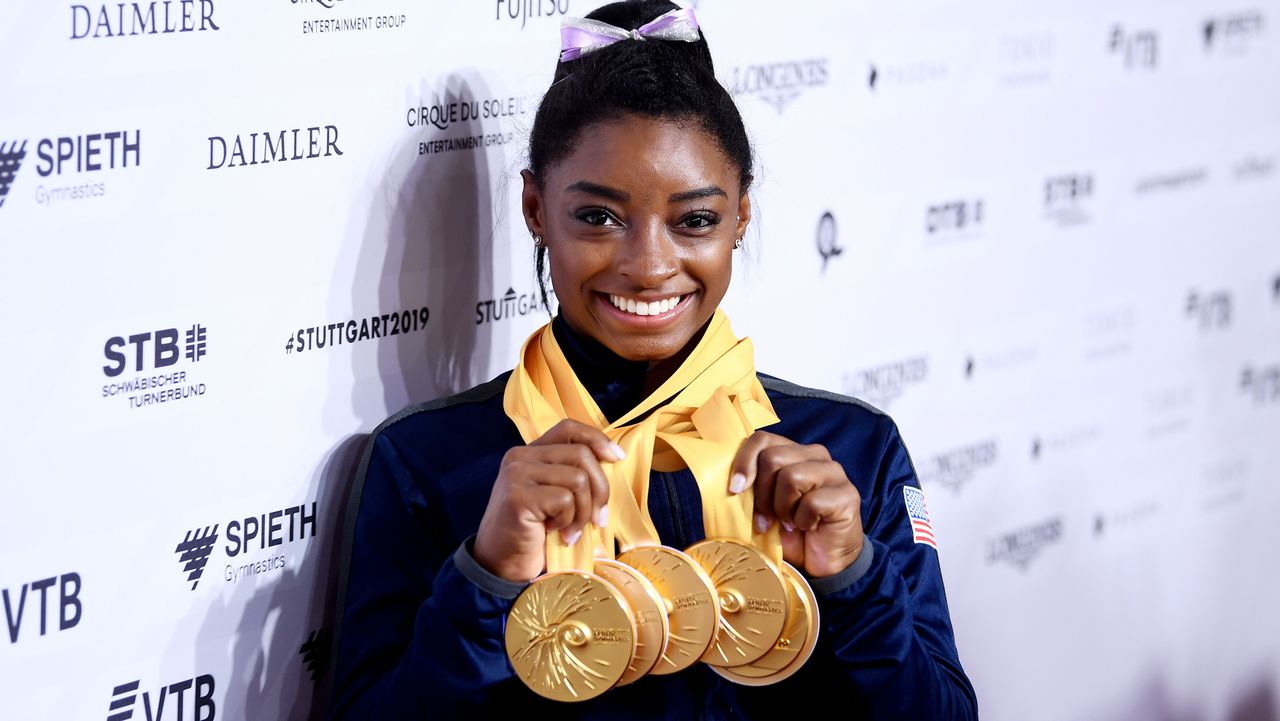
(579, 36)
(697, 418)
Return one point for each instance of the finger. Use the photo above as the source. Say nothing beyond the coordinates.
(769, 463)
(579, 456)
(825, 505)
(797, 478)
(577, 482)
(742, 472)
(554, 506)
(571, 431)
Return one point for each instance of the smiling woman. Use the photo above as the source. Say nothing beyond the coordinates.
(519, 544)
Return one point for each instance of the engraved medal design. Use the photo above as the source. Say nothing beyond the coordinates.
(799, 637)
(690, 599)
(753, 600)
(648, 610)
(570, 636)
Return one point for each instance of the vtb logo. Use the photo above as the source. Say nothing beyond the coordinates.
(68, 600)
(11, 157)
(164, 346)
(124, 699)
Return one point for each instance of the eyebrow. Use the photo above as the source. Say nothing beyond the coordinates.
(604, 191)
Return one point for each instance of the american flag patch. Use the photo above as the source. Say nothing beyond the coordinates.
(921, 528)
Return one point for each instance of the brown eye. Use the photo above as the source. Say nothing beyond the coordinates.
(596, 216)
(700, 221)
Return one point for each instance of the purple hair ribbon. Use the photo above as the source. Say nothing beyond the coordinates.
(579, 36)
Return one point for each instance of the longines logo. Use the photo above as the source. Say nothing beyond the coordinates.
(158, 350)
(1183, 179)
(881, 385)
(118, 20)
(355, 330)
(1026, 59)
(250, 534)
(1261, 383)
(510, 305)
(780, 83)
(356, 23)
(1019, 548)
(443, 115)
(1140, 49)
(882, 76)
(956, 468)
(826, 239)
(277, 146)
(315, 652)
(70, 156)
(1209, 310)
(1065, 198)
(525, 10)
(954, 219)
(1232, 34)
(64, 604)
(124, 700)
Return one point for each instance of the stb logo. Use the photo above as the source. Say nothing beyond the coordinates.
(826, 239)
(11, 156)
(194, 552)
(165, 349)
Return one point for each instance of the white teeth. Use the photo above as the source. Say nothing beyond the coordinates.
(641, 307)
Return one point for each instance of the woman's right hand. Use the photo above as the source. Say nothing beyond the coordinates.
(553, 484)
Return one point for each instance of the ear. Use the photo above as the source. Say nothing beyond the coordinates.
(744, 215)
(531, 205)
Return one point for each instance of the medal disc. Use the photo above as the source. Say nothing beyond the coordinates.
(753, 600)
(796, 644)
(648, 610)
(690, 599)
(570, 636)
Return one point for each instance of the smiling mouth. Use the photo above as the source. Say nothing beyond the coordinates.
(644, 312)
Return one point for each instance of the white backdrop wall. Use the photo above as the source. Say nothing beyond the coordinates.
(1046, 238)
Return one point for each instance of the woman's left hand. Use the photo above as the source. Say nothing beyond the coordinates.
(802, 488)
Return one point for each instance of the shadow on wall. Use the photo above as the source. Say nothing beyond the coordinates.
(427, 240)
(1256, 701)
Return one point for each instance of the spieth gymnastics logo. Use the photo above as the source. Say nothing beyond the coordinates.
(11, 156)
(268, 530)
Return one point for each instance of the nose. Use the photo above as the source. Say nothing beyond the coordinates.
(648, 256)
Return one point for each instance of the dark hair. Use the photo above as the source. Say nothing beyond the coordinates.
(653, 78)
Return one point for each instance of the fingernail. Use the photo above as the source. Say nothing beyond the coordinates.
(737, 483)
(602, 517)
(790, 528)
(762, 523)
(616, 451)
(572, 538)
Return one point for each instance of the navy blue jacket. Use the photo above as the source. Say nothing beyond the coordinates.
(420, 632)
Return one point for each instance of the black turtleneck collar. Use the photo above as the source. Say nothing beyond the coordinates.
(616, 384)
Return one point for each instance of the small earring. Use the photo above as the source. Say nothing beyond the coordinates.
(737, 243)
(537, 241)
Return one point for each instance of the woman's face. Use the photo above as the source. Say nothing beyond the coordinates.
(642, 214)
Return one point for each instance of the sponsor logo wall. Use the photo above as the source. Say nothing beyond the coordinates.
(1047, 249)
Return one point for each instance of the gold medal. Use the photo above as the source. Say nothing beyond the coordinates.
(753, 600)
(648, 610)
(570, 636)
(796, 644)
(691, 602)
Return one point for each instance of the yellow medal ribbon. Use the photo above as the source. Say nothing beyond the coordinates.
(700, 415)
